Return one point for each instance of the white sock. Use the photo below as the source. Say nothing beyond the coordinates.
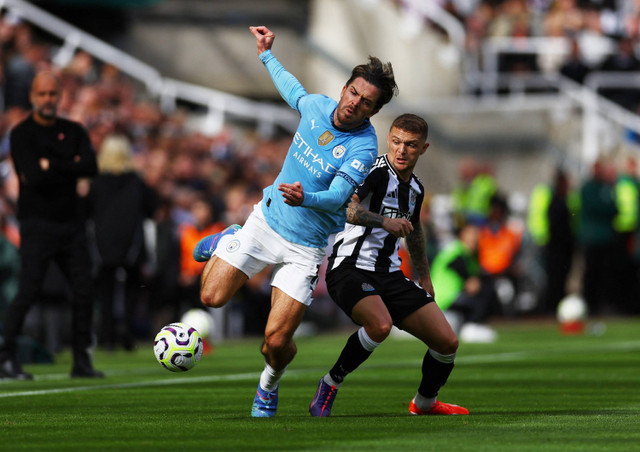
(367, 343)
(270, 378)
(424, 403)
(447, 359)
(328, 380)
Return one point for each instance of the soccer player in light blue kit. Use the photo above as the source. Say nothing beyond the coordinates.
(330, 155)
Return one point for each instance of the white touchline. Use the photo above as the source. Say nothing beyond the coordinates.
(473, 359)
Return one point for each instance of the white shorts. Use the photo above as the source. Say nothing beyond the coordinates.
(256, 245)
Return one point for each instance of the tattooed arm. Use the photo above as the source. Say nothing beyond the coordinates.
(356, 214)
(416, 245)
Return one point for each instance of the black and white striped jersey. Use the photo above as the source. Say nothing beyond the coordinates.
(382, 192)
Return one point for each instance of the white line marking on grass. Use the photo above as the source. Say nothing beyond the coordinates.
(163, 382)
(488, 358)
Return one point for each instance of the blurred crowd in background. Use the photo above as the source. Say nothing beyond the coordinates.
(197, 185)
(604, 36)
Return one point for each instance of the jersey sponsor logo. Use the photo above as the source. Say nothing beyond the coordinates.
(392, 212)
(338, 151)
(359, 166)
(310, 159)
(325, 138)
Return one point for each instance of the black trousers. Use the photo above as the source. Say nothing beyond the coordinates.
(66, 244)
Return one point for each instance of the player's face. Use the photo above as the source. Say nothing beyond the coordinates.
(357, 103)
(404, 150)
(45, 96)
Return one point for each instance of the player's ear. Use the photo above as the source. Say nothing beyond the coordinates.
(424, 148)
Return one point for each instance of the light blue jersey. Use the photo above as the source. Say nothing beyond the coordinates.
(322, 158)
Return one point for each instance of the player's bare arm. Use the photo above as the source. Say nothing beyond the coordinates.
(416, 245)
(356, 214)
(264, 38)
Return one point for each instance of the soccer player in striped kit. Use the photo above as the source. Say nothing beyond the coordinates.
(365, 280)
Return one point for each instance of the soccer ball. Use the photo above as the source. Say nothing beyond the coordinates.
(572, 309)
(178, 347)
(572, 314)
(199, 319)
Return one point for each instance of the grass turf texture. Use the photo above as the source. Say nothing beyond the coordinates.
(532, 390)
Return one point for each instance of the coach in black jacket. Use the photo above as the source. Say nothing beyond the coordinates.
(50, 154)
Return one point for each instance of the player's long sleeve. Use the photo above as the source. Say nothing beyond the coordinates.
(288, 86)
(331, 200)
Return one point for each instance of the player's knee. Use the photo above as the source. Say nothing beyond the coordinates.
(379, 330)
(450, 345)
(276, 343)
(212, 298)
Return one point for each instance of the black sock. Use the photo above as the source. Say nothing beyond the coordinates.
(353, 354)
(434, 375)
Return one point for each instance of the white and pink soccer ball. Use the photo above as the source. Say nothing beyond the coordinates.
(178, 347)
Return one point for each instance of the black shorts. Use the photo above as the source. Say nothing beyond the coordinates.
(348, 285)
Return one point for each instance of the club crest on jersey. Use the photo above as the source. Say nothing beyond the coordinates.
(233, 246)
(366, 287)
(325, 138)
(339, 151)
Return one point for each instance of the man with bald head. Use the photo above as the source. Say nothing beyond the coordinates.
(50, 154)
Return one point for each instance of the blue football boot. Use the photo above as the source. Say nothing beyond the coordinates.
(265, 404)
(205, 247)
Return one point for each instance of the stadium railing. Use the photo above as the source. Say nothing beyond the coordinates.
(168, 91)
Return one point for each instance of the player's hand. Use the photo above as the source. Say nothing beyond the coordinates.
(264, 38)
(293, 194)
(398, 227)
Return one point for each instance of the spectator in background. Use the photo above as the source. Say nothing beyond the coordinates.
(625, 223)
(499, 244)
(574, 66)
(119, 203)
(471, 198)
(623, 60)
(466, 171)
(466, 298)
(200, 225)
(164, 259)
(50, 155)
(552, 223)
(597, 238)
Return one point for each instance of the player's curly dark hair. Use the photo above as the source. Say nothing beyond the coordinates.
(380, 75)
(411, 123)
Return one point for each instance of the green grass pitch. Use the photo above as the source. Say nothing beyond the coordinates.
(533, 390)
